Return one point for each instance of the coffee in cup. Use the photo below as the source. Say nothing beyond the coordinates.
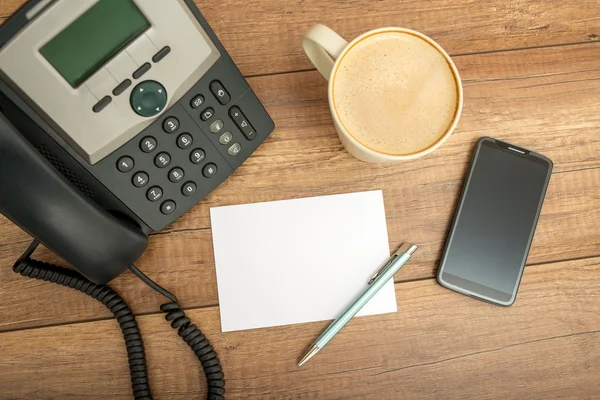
(394, 93)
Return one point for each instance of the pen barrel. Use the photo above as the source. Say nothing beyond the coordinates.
(362, 300)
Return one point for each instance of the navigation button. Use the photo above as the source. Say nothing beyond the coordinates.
(148, 98)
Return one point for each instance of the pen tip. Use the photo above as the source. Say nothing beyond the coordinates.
(309, 354)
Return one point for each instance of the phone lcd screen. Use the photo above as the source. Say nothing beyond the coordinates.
(495, 222)
(92, 39)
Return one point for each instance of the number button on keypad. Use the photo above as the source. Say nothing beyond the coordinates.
(184, 140)
(176, 175)
(197, 156)
(188, 189)
(168, 207)
(209, 170)
(162, 160)
(125, 164)
(154, 193)
(148, 144)
(140, 179)
(171, 124)
(207, 114)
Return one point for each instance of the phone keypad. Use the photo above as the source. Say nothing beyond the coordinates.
(186, 153)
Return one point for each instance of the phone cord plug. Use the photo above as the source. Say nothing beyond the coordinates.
(134, 343)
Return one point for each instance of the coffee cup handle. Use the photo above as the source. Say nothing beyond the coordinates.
(323, 46)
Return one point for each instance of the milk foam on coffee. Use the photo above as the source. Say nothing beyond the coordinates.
(395, 93)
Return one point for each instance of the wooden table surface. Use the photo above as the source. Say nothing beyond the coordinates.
(531, 72)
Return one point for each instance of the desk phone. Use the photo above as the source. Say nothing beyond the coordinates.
(136, 102)
(116, 117)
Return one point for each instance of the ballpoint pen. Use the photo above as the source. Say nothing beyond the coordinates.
(396, 261)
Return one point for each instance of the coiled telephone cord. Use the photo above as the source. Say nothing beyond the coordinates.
(136, 354)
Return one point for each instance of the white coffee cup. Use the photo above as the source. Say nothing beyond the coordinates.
(326, 49)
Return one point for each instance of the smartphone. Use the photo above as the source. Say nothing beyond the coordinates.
(495, 221)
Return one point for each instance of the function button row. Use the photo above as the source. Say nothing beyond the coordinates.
(137, 74)
(242, 122)
(99, 106)
(123, 86)
(171, 125)
(162, 160)
(219, 91)
(162, 53)
(142, 70)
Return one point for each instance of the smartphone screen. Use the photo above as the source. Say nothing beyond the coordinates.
(495, 222)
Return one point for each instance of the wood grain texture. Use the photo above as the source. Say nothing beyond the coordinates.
(438, 345)
(543, 99)
(264, 36)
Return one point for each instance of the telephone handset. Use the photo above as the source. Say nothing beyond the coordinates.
(116, 117)
(43, 203)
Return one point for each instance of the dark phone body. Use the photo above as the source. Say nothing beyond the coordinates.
(495, 222)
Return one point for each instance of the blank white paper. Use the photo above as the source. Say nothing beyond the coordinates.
(294, 261)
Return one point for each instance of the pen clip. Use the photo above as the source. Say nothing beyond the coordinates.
(382, 269)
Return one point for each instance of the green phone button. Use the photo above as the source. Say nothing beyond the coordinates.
(148, 98)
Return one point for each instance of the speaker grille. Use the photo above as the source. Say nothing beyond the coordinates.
(66, 171)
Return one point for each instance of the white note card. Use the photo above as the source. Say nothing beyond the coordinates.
(294, 261)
